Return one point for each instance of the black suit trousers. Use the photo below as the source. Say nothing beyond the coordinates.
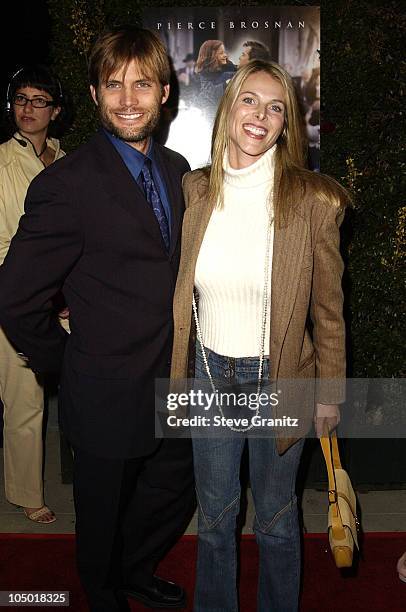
(129, 512)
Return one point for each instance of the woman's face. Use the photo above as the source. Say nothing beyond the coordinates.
(221, 56)
(32, 121)
(256, 119)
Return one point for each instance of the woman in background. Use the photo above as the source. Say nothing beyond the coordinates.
(260, 247)
(35, 113)
(213, 71)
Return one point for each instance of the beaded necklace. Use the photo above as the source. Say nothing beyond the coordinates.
(262, 336)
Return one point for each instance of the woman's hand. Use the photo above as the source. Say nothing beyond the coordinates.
(326, 416)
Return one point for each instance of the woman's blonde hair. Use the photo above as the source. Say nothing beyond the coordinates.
(292, 179)
(206, 60)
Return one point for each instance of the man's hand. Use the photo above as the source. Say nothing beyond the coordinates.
(326, 416)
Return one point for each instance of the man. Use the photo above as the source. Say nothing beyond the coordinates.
(104, 225)
(187, 73)
(188, 82)
(252, 49)
(302, 83)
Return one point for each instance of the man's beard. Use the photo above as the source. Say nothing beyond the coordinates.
(130, 134)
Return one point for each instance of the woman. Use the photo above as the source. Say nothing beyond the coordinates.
(34, 105)
(213, 70)
(260, 245)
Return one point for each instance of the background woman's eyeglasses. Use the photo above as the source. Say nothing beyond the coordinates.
(21, 100)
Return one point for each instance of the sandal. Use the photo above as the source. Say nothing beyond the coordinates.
(401, 567)
(37, 514)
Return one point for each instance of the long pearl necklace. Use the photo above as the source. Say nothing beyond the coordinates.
(265, 300)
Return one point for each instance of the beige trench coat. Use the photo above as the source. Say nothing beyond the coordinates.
(306, 279)
(18, 166)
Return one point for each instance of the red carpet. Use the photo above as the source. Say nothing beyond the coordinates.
(32, 562)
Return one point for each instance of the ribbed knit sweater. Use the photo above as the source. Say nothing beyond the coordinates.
(231, 262)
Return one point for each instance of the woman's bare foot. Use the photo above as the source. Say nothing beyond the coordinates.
(40, 515)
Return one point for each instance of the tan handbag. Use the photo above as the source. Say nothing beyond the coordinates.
(342, 519)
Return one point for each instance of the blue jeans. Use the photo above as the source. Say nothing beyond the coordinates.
(272, 477)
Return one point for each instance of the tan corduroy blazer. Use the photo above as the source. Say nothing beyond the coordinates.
(306, 280)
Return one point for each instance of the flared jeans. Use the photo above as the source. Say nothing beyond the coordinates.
(276, 526)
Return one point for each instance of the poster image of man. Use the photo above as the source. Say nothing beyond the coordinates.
(252, 49)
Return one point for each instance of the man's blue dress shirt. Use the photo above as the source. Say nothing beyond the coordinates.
(134, 160)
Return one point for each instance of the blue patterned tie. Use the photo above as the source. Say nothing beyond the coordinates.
(153, 199)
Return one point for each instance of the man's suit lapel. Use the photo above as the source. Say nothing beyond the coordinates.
(120, 187)
(175, 196)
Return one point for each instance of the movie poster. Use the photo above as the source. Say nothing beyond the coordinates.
(207, 45)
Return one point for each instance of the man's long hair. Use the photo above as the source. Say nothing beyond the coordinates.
(116, 48)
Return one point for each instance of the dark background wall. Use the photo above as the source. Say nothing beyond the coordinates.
(24, 37)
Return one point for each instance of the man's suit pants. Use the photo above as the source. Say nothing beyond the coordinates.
(129, 512)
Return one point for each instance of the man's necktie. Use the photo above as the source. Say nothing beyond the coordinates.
(153, 199)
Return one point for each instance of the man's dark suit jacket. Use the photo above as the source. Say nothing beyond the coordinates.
(89, 230)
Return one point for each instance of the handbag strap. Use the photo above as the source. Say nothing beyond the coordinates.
(326, 448)
(331, 454)
(329, 445)
(335, 451)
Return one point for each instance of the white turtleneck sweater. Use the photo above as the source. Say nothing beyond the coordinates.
(230, 268)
